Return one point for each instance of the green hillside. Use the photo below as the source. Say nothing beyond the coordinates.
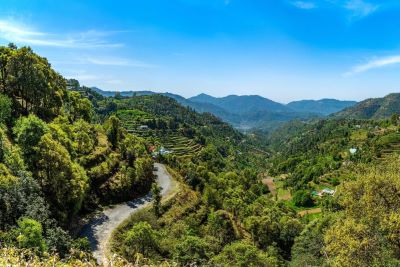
(374, 108)
(316, 193)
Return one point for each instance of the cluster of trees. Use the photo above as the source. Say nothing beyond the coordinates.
(224, 217)
(319, 152)
(229, 214)
(64, 152)
(364, 230)
(58, 158)
(30, 82)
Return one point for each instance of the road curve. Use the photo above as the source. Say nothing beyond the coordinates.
(99, 229)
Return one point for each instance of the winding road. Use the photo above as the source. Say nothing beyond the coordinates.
(99, 229)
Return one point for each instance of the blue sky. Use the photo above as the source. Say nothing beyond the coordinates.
(281, 49)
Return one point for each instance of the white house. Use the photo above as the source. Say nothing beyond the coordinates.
(143, 127)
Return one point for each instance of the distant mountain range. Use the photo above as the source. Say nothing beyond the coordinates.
(373, 108)
(251, 111)
(323, 106)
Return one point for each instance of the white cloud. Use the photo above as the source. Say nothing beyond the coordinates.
(304, 5)
(360, 8)
(374, 64)
(114, 61)
(21, 34)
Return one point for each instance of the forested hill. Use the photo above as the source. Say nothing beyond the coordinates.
(323, 106)
(65, 153)
(320, 193)
(373, 108)
(59, 159)
(250, 111)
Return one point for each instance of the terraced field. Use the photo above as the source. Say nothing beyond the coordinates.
(391, 145)
(180, 145)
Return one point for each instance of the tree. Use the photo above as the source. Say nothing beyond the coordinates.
(31, 82)
(368, 234)
(141, 238)
(307, 250)
(263, 229)
(28, 132)
(349, 243)
(302, 198)
(156, 193)
(132, 147)
(192, 250)
(144, 173)
(290, 228)
(79, 107)
(220, 226)
(113, 130)
(84, 137)
(5, 108)
(6, 178)
(394, 119)
(31, 234)
(73, 84)
(5, 53)
(242, 254)
(64, 182)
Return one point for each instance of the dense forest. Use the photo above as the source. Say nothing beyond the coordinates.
(316, 193)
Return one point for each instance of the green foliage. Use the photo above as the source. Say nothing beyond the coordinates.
(373, 108)
(55, 163)
(28, 131)
(31, 82)
(26, 257)
(302, 198)
(113, 130)
(141, 238)
(6, 178)
(192, 250)
(63, 181)
(366, 235)
(5, 109)
(307, 249)
(243, 254)
(31, 234)
(79, 107)
(220, 226)
(156, 194)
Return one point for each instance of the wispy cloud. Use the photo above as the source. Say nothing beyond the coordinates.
(22, 34)
(374, 64)
(360, 8)
(115, 61)
(304, 5)
(357, 9)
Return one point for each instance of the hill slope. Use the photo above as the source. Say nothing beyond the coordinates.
(323, 106)
(242, 104)
(250, 111)
(373, 108)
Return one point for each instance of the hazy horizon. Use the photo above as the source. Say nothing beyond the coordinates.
(189, 96)
(283, 50)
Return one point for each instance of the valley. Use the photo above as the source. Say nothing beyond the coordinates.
(252, 111)
(195, 133)
(168, 185)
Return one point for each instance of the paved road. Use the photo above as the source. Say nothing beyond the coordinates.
(99, 229)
